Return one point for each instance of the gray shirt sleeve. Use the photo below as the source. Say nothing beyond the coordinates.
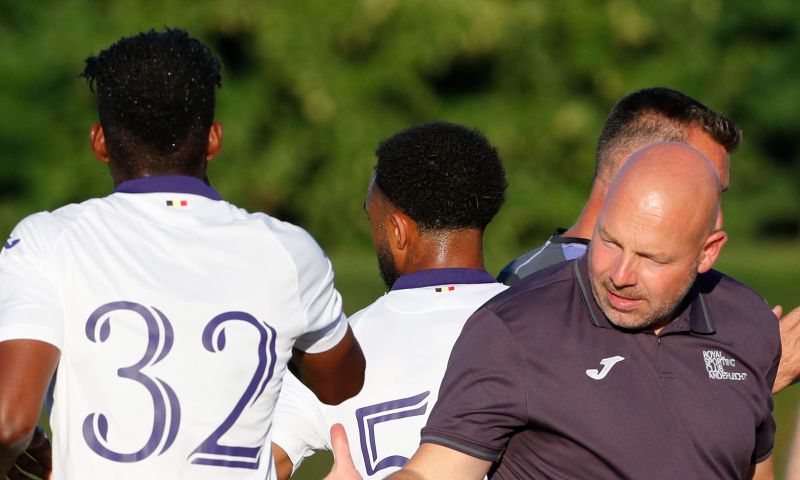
(482, 398)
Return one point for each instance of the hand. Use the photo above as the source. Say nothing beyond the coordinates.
(36, 460)
(789, 368)
(343, 467)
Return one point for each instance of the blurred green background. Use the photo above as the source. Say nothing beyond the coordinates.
(310, 87)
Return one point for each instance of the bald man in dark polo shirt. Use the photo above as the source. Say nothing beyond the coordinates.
(635, 361)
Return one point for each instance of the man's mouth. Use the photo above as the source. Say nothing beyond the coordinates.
(622, 303)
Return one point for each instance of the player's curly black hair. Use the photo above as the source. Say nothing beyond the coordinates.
(444, 176)
(155, 97)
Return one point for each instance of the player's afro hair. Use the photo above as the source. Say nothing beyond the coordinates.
(444, 176)
(155, 97)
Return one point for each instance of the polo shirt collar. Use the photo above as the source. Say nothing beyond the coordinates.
(442, 276)
(169, 184)
(695, 318)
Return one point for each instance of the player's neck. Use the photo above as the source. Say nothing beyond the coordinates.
(584, 225)
(460, 249)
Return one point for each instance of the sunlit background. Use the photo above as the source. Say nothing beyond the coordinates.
(311, 87)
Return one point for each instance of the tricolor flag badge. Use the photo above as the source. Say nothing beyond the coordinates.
(177, 203)
(445, 289)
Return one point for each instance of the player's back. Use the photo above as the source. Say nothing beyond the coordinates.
(179, 314)
(406, 336)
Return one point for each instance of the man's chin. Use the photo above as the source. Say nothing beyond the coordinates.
(627, 320)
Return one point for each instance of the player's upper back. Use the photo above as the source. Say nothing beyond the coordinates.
(406, 337)
(175, 313)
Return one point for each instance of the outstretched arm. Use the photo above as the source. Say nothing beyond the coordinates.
(435, 461)
(26, 367)
(431, 462)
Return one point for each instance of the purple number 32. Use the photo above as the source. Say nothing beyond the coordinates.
(166, 407)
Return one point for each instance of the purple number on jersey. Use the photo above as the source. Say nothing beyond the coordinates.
(210, 451)
(167, 412)
(367, 417)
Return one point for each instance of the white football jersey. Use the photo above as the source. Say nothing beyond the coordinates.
(175, 313)
(406, 337)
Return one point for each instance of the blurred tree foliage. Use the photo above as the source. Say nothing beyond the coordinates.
(310, 87)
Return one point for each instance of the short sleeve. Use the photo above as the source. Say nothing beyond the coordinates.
(326, 323)
(299, 426)
(29, 298)
(482, 397)
(765, 432)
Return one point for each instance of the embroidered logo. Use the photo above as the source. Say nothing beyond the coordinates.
(607, 364)
(11, 243)
(717, 366)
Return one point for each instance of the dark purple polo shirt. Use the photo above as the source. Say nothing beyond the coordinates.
(541, 382)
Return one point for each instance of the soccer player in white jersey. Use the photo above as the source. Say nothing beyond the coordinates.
(435, 188)
(171, 314)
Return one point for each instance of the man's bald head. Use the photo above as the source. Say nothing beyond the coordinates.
(672, 180)
(656, 231)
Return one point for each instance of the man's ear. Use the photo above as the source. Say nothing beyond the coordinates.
(711, 250)
(402, 235)
(97, 142)
(398, 231)
(214, 141)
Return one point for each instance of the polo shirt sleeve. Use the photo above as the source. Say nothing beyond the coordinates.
(482, 399)
(765, 432)
(29, 298)
(299, 426)
(326, 323)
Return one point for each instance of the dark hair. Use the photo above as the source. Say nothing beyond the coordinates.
(444, 176)
(657, 115)
(155, 97)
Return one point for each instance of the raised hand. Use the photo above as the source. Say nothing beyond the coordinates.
(343, 467)
(789, 368)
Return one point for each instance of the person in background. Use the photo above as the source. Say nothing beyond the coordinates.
(643, 117)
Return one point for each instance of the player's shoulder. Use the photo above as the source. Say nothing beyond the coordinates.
(285, 232)
(538, 284)
(516, 269)
(41, 230)
(738, 313)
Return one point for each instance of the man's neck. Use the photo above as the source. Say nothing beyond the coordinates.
(458, 249)
(584, 225)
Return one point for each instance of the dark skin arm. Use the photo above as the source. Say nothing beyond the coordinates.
(26, 367)
(334, 375)
(283, 464)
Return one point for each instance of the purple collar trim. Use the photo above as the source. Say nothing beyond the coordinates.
(442, 276)
(168, 184)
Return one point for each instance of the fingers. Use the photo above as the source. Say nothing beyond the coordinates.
(36, 460)
(343, 467)
(778, 311)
